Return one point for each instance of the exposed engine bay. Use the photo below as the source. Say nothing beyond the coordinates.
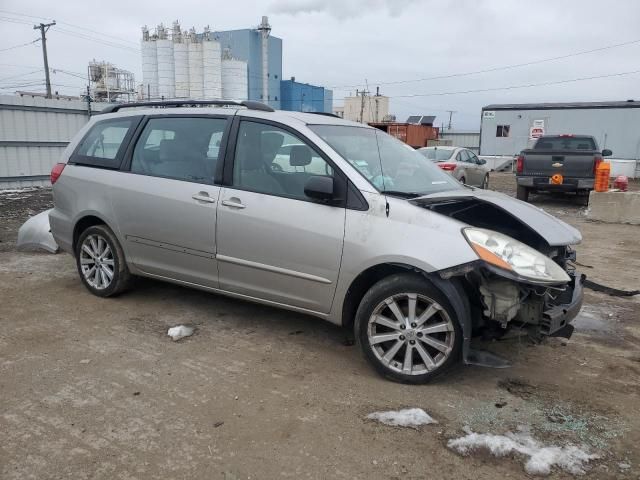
(498, 299)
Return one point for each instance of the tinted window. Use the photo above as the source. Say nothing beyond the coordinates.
(565, 143)
(182, 148)
(103, 144)
(271, 160)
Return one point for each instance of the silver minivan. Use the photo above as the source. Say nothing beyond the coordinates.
(314, 214)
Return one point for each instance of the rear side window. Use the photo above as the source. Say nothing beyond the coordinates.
(565, 143)
(182, 148)
(104, 144)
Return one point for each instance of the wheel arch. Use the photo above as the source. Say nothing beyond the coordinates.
(83, 222)
(452, 288)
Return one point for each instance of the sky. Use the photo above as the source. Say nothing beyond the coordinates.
(354, 44)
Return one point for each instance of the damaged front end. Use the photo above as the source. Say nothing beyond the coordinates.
(524, 275)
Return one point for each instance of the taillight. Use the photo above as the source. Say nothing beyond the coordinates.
(520, 164)
(56, 171)
(596, 163)
(447, 166)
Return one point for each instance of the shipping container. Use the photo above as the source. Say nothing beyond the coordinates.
(416, 136)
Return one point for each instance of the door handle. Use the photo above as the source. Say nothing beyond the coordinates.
(203, 197)
(233, 203)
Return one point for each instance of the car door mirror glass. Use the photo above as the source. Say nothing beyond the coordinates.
(481, 161)
(319, 187)
(606, 152)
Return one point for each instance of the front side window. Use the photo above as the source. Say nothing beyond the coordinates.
(181, 148)
(388, 164)
(103, 144)
(271, 160)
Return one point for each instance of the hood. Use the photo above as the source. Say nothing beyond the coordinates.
(485, 208)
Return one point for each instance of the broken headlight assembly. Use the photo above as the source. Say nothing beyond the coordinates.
(513, 259)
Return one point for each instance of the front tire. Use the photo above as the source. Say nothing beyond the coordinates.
(101, 263)
(407, 329)
(485, 182)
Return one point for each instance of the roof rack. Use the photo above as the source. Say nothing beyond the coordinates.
(189, 103)
(326, 114)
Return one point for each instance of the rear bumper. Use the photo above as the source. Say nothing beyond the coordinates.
(559, 316)
(569, 184)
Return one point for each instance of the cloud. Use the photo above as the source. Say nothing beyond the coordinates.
(340, 9)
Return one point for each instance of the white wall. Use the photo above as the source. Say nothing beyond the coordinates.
(33, 134)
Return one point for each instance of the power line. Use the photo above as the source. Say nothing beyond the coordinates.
(20, 75)
(513, 87)
(500, 68)
(21, 45)
(72, 26)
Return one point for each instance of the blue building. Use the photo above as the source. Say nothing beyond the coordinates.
(302, 97)
(246, 45)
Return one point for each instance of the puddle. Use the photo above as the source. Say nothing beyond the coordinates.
(596, 318)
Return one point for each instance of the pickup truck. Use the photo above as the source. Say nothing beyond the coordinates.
(559, 163)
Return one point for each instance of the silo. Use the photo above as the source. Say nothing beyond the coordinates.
(166, 68)
(149, 65)
(181, 61)
(212, 69)
(196, 79)
(234, 79)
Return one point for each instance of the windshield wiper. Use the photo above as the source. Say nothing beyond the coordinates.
(398, 193)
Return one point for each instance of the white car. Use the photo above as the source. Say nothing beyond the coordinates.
(461, 163)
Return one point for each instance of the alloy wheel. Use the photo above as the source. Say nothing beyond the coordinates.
(411, 333)
(97, 262)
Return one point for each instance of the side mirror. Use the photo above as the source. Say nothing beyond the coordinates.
(319, 187)
(606, 152)
(481, 161)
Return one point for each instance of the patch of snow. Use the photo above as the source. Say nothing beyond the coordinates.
(408, 417)
(17, 190)
(181, 331)
(541, 459)
(624, 466)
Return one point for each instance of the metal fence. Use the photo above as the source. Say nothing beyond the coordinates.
(34, 132)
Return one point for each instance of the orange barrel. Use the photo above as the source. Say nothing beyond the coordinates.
(602, 177)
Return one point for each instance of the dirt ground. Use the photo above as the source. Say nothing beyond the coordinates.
(94, 388)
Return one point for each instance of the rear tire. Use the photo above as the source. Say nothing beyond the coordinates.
(101, 263)
(422, 335)
(522, 193)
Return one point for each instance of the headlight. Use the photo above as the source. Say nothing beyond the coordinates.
(508, 254)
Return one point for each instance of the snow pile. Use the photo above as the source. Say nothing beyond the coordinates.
(408, 417)
(176, 333)
(541, 459)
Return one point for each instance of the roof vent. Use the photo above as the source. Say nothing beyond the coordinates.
(631, 100)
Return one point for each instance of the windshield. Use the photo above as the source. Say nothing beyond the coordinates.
(388, 164)
(436, 154)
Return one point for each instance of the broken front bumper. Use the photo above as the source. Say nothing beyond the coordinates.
(558, 316)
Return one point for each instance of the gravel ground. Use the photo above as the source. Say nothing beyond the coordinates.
(93, 388)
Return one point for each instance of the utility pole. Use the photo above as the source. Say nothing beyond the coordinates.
(88, 101)
(363, 93)
(44, 28)
(451, 112)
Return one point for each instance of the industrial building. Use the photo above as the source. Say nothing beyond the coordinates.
(303, 97)
(231, 65)
(364, 108)
(109, 83)
(506, 129)
(177, 64)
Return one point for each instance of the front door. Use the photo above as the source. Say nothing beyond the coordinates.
(166, 205)
(275, 243)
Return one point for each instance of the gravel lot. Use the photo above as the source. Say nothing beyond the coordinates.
(93, 388)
